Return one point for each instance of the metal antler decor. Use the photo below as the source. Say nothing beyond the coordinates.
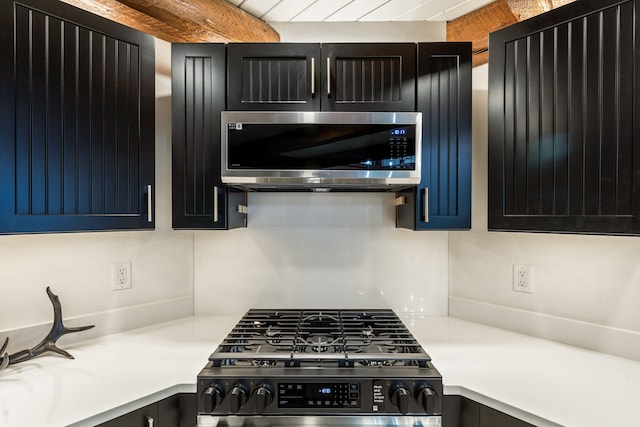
(48, 343)
(4, 357)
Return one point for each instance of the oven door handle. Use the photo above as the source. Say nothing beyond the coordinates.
(320, 421)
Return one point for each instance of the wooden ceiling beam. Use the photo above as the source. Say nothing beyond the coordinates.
(476, 26)
(183, 20)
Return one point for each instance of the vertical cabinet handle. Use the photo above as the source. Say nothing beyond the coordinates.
(313, 76)
(329, 77)
(149, 203)
(426, 203)
(215, 204)
(149, 421)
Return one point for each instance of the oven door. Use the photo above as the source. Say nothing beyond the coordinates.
(320, 421)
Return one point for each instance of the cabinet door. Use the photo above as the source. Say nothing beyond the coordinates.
(368, 77)
(563, 147)
(460, 411)
(273, 76)
(76, 121)
(490, 417)
(443, 198)
(179, 410)
(143, 417)
(200, 200)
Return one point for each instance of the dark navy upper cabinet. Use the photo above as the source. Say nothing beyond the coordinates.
(274, 76)
(368, 76)
(328, 76)
(564, 153)
(443, 198)
(76, 121)
(200, 200)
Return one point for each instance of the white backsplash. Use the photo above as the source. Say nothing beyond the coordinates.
(338, 250)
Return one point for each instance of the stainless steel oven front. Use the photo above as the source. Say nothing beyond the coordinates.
(319, 368)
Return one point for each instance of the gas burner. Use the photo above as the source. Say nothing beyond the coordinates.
(368, 335)
(272, 335)
(262, 363)
(375, 363)
(318, 343)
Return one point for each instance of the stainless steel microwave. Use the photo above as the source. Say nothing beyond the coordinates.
(271, 150)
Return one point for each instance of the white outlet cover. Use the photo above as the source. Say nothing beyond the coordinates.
(121, 279)
(523, 278)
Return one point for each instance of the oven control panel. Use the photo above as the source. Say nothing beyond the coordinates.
(319, 395)
(219, 395)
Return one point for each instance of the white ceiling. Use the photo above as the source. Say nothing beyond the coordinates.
(358, 10)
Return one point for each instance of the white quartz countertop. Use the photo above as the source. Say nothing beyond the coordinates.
(539, 381)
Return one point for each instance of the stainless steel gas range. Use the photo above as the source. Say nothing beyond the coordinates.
(321, 368)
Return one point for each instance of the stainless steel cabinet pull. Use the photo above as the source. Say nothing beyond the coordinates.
(329, 77)
(149, 421)
(149, 204)
(426, 204)
(215, 204)
(313, 76)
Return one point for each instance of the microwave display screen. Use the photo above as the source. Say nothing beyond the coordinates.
(321, 146)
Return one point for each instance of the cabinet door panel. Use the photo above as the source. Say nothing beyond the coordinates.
(562, 148)
(368, 77)
(200, 200)
(273, 76)
(444, 98)
(490, 417)
(78, 122)
(179, 410)
(138, 418)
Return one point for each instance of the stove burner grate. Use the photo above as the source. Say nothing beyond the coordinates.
(267, 338)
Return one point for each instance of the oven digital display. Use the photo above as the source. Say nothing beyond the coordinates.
(318, 395)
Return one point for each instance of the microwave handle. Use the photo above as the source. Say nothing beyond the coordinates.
(329, 77)
(313, 76)
(215, 204)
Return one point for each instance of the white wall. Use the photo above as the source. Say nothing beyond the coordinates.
(586, 288)
(325, 250)
(77, 266)
(321, 251)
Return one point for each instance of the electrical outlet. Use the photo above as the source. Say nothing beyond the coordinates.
(121, 276)
(523, 278)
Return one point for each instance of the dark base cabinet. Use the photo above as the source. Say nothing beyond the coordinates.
(175, 411)
(463, 412)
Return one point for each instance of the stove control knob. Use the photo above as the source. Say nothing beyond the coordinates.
(400, 397)
(237, 398)
(212, 396)
(427, 397)
(264, 397)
